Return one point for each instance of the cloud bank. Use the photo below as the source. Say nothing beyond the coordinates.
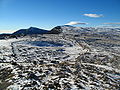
(7, 31)
(93, 15)
(75, 23)
(112, 23)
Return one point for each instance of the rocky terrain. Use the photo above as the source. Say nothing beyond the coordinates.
(76, 59)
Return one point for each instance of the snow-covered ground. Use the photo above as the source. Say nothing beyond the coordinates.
(29, 49)
(55, 62)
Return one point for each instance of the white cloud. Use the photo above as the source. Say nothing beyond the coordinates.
(75, 23)
(93, 15)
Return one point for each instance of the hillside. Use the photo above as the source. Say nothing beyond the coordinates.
(78, 58)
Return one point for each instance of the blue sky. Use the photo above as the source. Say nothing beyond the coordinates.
(46, 14)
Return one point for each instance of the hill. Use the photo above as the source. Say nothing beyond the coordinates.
(31, 30)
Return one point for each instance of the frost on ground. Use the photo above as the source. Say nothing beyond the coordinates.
(57, 62)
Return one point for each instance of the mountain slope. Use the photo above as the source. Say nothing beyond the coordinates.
(90, 30)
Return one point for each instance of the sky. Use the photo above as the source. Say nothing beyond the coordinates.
(46, 14)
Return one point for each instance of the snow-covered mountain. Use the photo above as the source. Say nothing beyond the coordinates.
(65, 29)
(70, 29)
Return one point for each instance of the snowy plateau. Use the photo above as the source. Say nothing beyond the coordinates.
(76, 59)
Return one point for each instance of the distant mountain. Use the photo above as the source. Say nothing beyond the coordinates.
(6, 36)
(64, 29)
(31, 30)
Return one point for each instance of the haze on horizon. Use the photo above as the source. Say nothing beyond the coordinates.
(46, 14)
